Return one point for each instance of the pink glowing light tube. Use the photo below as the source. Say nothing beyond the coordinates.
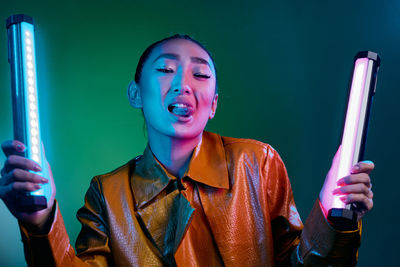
(363, 86)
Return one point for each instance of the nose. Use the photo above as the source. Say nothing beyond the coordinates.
(180, 84)
(182, 89)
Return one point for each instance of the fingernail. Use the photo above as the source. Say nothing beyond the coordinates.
(45, 181)
(367, 162)
(337, 191)
(355, 168)
(37, 186)
(20, 148)
(343, 198)
(37, 168)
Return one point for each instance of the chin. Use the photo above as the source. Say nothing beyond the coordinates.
(187, 133)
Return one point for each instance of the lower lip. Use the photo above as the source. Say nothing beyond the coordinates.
(182, 118)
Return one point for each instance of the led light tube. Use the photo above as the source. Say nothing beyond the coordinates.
(363, 86)
(22, 59)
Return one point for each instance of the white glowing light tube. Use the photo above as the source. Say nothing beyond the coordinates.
(22, 59)
(363, 86)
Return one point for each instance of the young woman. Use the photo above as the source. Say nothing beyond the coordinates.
(193, 198)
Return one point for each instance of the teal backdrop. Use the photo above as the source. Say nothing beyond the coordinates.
(284, 69)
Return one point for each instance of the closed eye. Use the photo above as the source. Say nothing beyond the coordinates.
(203, 76)
(165, 70)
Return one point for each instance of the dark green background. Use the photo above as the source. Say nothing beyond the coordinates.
(284, 69)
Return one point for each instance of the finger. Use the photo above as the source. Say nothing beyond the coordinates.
(19, 162)
(363, 166)
(354, 189)
(22, 176)
(23, 187)
(355, 198)
(11, 147)
(355, 179)
(10, 192)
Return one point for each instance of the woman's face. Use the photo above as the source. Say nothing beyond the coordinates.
(177, 88)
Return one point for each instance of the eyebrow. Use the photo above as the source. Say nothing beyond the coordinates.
(197, 60)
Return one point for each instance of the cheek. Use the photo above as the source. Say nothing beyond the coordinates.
(206, 94)
(205, 102)
(153, 90)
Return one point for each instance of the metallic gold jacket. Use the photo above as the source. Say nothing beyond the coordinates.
(233, 207)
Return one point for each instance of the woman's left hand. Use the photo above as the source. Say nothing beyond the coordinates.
(356, 188)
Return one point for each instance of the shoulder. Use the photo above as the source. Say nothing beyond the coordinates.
(238, 146)
(244, 143)
(117, 176)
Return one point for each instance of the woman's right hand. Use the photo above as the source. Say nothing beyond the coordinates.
(16, 179)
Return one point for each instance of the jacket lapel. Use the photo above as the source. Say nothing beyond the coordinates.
(164, 212)
(166, 221)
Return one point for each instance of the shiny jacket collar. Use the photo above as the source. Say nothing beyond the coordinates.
(150, 177)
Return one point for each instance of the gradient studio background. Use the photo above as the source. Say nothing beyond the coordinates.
(283, 69)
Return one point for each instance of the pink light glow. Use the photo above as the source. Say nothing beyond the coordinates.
(352, 121)
(344, 158)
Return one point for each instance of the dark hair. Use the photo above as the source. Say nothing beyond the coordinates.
(150, 49)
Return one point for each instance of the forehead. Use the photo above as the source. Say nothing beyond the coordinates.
(181, 47)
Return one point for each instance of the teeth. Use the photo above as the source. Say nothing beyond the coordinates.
(180, 109)
(179, 105)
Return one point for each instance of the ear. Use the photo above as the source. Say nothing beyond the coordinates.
(134, 95)
(213, 107)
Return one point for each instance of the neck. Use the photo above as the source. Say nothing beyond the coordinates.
(173, 153)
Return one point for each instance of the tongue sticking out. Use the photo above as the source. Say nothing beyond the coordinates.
(180, 110)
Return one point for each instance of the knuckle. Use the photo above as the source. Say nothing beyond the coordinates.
(6, 144)
(7, 162)
(371, 204)
(31, 175)
(12, 159)
(10, 147)
(365, 177)
(365, 189)
(354, 178)
(16, 173)
(13, 173)
(15, 186)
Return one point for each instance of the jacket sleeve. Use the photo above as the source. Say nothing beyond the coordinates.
(54, 248)
(315, 244)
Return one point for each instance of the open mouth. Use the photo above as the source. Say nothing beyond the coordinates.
(180, 109)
